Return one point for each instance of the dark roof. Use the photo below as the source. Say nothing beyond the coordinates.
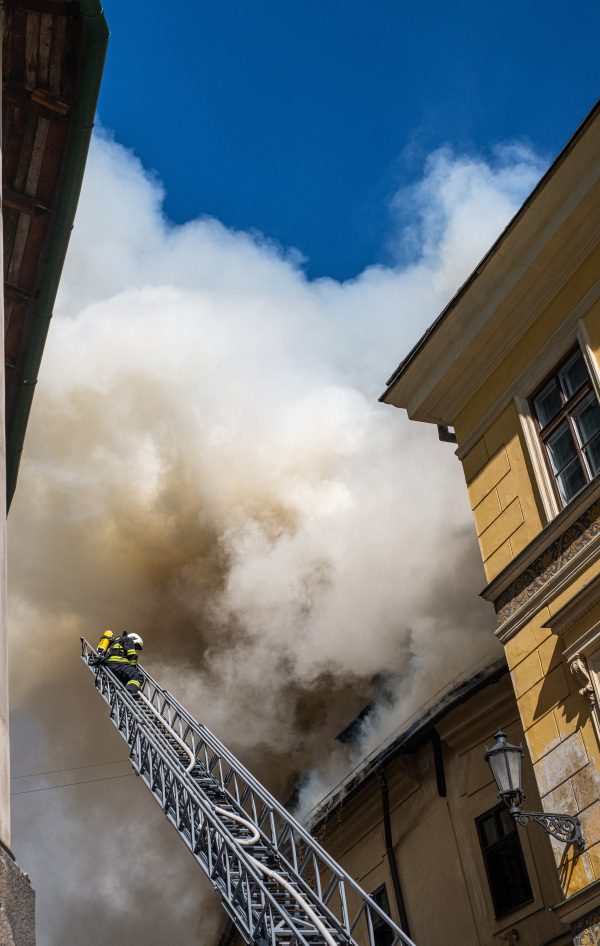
(410, 740)
(481, 265)
(53, 57)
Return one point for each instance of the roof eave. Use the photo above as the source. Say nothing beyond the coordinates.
(494, 249)
(58, 241)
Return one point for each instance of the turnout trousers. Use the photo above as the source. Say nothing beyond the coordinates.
(130, 676)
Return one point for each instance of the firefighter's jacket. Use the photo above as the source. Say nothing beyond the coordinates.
(122, 651)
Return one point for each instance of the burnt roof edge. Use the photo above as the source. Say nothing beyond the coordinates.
(410, 740)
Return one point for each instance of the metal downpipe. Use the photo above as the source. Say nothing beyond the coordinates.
(389, 847)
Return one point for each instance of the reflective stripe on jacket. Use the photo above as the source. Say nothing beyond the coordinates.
(122, 651)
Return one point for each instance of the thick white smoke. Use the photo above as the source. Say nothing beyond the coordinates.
(207, 465)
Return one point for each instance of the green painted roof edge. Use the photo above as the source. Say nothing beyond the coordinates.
(64, 216)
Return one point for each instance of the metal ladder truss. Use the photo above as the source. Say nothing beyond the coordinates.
(275, 881)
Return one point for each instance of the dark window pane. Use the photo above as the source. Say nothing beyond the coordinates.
(507, 822)
(592, 454)
(569, 406)
(587, 418)
(571, 480)
(548, 402)
(383, 934)
(489, 831)
(573, 374)
(561, 446)
(505, 866)
(506, 871)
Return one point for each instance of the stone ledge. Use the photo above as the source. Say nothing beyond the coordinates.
(582, 902)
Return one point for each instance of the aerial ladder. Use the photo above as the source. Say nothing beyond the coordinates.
(277, 884)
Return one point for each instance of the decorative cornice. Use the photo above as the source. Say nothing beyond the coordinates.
(575, 608)
(586, 930)
(580, 538)
(566, 518)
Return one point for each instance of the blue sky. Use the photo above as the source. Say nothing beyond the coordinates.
(301, 119)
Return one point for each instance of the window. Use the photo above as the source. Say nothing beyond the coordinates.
(383, 934)
(504, 863)
(567, 414)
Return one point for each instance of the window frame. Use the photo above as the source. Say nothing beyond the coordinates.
(568, 408)
(376, 896)
(514, 838)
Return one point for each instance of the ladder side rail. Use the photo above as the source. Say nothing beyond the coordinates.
(206, 740)
(174, 814)
(167, 710)
(297, 829)
(115, 695)
(225, 850)
(157, 696)
(367, 905)
(170, 797)
(220, 751)
(127, 709)
(274, 809)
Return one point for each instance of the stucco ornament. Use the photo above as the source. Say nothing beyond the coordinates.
(554, 559)
(579, 669)
(586, 931)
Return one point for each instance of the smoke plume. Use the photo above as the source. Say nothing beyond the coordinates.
(207, 465)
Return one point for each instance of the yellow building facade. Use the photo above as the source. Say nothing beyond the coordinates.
(466, 877)
(512, 365)
(419, 826)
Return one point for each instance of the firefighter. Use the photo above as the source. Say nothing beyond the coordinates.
(122, 660)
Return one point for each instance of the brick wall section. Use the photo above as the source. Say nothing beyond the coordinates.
(561, 741)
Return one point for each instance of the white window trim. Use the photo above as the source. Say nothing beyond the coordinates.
(590, 359)
(538, 460)
(529, 381)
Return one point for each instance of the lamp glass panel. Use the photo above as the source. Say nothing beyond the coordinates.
(514, 767)
(499, 767)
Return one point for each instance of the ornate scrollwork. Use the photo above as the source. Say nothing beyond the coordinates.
(562, 551)
(580, 671)
(562, 827)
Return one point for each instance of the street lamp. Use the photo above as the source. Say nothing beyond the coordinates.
(504, 760)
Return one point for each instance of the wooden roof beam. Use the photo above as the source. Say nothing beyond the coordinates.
(15, 294)
(59, 7)
(23, 202)
(40, 101)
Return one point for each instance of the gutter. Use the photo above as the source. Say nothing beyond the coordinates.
(94, 55)
(389, 848)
